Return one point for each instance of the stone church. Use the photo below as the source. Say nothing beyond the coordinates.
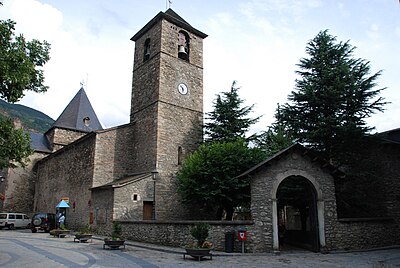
(125, 172)
(128, 172)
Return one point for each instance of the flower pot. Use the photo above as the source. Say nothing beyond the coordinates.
(59, 233)
(83, 237)
(113, 244)
(198, 253)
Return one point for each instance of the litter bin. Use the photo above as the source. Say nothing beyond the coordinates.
(229, 241)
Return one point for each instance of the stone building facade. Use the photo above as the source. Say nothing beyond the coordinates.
(77, 120)
(324, 230)
(128, 173)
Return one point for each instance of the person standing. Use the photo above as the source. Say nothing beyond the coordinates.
(61, 220)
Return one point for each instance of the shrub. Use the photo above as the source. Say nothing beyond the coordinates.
(200, 232)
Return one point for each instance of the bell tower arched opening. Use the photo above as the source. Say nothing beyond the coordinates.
(297, 214)
(183, 45)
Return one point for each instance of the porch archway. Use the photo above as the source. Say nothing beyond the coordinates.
(300, 193)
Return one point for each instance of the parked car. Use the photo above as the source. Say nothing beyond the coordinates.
(14, 220)
(43, 221)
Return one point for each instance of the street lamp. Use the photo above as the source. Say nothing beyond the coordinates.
(154, 174)
(1, 179)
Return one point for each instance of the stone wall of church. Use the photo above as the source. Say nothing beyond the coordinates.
(67, 173)
(358, 233)
(128, 200)
(340, 234)
(167, 124)
(102, 210)
(352, 234)
(264, 182)
(143, 146)
(388, 154)
(19, 187)
(177, 233)
(169, 43)
(59, 137)
(104, 157)
(180, 132)
(261, 207)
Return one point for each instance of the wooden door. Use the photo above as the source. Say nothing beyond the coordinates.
(147, 210)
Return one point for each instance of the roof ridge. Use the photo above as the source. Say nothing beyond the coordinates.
(175, 15)
(79, 114)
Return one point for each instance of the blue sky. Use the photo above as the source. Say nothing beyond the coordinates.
(256, 42)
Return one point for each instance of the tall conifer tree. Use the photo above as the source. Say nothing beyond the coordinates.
(332, 98)
(228, 121)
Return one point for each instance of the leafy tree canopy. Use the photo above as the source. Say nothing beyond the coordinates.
(15, 145)
(208, 177)
(20, 63)
(332, 98)
(20, 70)
(229, 120)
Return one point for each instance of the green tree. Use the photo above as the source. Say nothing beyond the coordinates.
(274, 139)
(15, 144)
(21, 65)
(332, 98)
(229, 120)
(208, 177)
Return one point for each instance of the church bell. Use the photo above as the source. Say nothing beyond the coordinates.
(182, 50)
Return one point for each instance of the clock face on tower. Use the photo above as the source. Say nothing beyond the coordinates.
(182, 88)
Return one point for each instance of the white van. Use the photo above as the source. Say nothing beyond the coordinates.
(14, 220)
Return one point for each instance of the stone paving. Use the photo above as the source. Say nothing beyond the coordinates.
(20, 248)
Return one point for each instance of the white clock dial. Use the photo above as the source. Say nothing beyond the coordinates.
(183, 89)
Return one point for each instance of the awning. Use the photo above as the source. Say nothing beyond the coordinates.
(62, 204)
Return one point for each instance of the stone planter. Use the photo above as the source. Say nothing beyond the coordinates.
(198, 253)
(82, 237)
(113, 244)
(59, 233)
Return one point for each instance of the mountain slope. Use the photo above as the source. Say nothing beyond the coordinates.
(31, 119)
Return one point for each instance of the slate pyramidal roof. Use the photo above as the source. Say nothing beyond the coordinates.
(78, 112)
(173, 17)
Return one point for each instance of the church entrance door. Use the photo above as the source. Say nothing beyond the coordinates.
(297, 214)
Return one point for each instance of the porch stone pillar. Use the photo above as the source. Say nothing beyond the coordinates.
(321, 222)
(275, 231)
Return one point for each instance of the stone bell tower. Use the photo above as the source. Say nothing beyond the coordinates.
(167, 103)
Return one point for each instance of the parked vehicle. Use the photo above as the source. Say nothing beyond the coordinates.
(43, 221)
(14, 220)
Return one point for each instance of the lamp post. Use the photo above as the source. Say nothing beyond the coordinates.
(154, 174)
(2, 197)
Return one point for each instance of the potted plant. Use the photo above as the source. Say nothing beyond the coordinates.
(115, 242)
(60, 232)
(84, 234)
(201, 247)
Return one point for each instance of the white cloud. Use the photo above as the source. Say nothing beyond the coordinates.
(257, 42)
(36, 19)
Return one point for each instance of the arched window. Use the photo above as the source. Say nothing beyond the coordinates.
(183, 45)
(146, 50)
